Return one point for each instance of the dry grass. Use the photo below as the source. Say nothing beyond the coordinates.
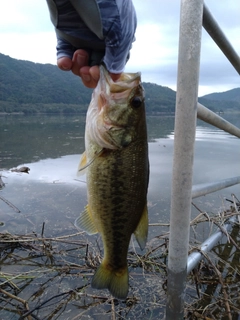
(49, 278)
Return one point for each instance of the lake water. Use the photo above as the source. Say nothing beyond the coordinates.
(53, 194)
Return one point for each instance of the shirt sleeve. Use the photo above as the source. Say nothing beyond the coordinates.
(64, 49)
(119, 27)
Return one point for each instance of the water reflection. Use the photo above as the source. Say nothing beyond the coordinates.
(51, 147)
(31, 138)
(27, 139)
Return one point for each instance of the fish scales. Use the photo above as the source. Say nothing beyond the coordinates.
(116, 159)
(114, 209)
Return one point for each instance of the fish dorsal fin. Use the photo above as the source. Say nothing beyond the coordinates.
(85, 221)
(84, 163)
(141, 231)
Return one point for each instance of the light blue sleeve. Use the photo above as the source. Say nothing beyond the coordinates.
(119, 45)
(118, 22)
(64, 49)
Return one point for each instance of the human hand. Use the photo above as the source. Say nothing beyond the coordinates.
(79, 66)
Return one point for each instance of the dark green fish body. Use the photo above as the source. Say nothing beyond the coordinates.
(116, 158)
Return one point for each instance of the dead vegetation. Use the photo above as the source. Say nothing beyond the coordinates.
(48, 278)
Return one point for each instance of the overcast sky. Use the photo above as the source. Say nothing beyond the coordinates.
(26, 33)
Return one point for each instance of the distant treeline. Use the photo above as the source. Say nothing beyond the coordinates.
(30, 88)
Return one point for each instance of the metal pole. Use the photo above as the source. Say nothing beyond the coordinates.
(195, 257)
(185, 127)
(202, 189)
(208, 116)
(213, 29)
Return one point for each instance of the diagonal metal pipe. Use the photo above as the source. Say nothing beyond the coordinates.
(213, 29)
(212, 118)
(202, 189)
(195, 257)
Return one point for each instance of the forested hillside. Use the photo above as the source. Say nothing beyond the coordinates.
(230, 95)
(33, 87)
(29, 87)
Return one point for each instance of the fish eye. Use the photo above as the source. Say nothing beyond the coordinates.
(136, 102)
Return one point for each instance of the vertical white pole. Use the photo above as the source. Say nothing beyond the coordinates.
(185, 127)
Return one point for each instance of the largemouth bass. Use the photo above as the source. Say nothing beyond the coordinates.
(117, 173)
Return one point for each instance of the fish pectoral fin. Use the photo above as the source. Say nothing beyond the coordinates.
(116, 281)
(84, 163)
(141, 232)
(85, 221)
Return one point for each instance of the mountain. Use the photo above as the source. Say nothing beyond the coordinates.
(24, 83)
(33, 87)
(231, 95)
(222, 101)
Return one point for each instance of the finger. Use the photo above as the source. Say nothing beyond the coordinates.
(95, 73)
(64, 63)
(80, 59)
(90, 76)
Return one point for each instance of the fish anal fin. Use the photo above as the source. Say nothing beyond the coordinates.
(116, 281)
(141, 232)
(85, 221)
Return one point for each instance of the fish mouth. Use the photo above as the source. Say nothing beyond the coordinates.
(126, 82)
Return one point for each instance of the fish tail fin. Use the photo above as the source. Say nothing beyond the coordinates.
(116, 281)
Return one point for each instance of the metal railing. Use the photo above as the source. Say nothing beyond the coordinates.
(194, 15)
